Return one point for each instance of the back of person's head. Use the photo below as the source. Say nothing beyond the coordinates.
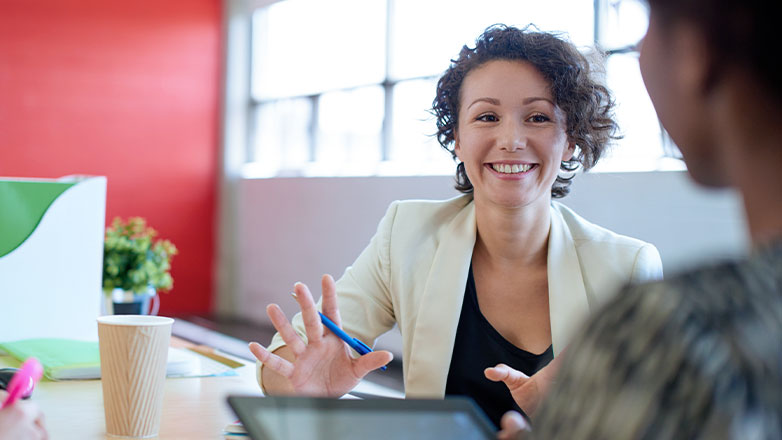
(740, 33)
(698, 357)
(575, 86)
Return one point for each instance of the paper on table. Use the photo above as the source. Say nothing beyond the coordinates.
(72, 359)
(203, 366)
(234, 430)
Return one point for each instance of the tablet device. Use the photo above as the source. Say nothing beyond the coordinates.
(284, 418)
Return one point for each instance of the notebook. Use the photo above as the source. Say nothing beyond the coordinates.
(73, 359)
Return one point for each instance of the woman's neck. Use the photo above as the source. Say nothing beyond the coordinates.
(513, 236)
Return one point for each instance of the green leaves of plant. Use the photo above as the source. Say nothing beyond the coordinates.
(134, 260)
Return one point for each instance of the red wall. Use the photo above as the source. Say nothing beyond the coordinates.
(128, 90)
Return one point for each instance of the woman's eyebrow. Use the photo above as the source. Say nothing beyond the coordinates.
(537, 98)
(494, 101)
(526, 101)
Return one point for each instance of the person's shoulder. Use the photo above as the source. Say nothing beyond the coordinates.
(758, 274)
(722, 287)
(415, 225)
(717, 298)
(438, 210)
(584, 231)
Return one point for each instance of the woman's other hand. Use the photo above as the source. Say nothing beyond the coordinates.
(527, 391)
(324, 366)
(22, 420)
(523, 388)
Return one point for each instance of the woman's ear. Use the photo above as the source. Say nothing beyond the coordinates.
(456, 147)
(569, 151)
(698, 68)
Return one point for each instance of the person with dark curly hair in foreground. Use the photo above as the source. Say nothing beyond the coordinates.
(486, 288)
(700, 355)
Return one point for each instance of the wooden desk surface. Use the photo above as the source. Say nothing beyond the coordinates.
(193, 408)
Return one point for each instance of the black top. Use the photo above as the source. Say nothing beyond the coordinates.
(479, 346)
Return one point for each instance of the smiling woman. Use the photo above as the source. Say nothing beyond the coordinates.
(488, 287)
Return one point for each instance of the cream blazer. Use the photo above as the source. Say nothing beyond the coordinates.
(414, 273)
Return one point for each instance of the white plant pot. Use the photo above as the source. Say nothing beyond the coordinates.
(120, 301)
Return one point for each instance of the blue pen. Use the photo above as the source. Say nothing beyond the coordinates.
(360, 347)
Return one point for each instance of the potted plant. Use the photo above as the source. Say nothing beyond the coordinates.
(136, 266)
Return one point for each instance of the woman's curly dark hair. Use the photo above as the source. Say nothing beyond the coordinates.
(586, 102)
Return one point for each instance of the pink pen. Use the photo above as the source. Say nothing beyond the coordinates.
(23, 381)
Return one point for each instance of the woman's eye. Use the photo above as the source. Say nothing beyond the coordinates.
(487, 118)
(539, 118)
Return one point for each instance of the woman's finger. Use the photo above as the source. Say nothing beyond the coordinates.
(259, 351)
(370, 362)
(284, 327)
(271, 360)
(329, 299)
(506, 374)
(309, 313)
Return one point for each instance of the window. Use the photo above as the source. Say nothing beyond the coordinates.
(645, 146)
(344, 87)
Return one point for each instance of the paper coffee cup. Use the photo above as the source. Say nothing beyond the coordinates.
(133, 356)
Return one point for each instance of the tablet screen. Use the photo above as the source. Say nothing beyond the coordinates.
(276, 418)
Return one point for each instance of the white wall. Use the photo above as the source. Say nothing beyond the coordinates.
(296, 229)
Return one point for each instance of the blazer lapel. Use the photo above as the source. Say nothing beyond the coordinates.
(568, 303)
(441, 305)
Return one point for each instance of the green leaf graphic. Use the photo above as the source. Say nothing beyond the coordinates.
(22, 205)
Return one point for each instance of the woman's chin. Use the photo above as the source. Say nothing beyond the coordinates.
(518, 202)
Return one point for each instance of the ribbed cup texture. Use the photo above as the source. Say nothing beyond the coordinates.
(133, 373)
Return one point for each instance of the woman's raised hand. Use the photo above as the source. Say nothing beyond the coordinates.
(324, 365)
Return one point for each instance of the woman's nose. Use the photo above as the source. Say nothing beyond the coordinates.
(513, 137)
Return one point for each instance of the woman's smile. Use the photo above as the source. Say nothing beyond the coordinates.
(511, 170)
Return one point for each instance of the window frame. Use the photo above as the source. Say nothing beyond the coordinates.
(388, 84)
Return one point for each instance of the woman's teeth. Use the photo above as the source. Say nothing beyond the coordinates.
(511, 169)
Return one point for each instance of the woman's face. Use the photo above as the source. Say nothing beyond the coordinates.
(510, 136)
